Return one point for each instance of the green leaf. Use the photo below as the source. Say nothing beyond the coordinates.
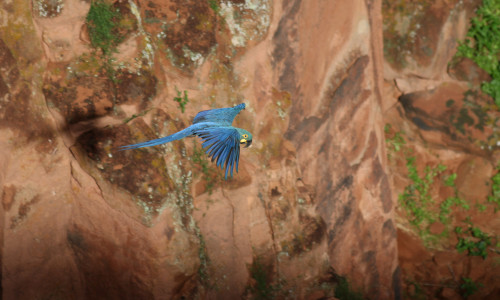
(450, 180)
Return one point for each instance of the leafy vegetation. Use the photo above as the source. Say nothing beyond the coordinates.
(396, 142)
(473, 240)
(416, 292)
(182, 100)
(343, 290)
(214, 5)
(416, 199)
(107, 27)
(469, 287)
(134, 116)
(448, 203)
(262, 287)
(424, 209)
(102, 23)
(482, 45)
(210, 175)
(495, 190)
(204, 259)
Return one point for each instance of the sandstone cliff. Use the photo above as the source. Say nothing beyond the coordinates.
(315, 203)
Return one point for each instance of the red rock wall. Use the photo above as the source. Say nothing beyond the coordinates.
(335, 127)
(429, 99)
(312, 200)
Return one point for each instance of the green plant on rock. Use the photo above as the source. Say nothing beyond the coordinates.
(421, 208)
(182, 100)
(416, 198)
(446, 206)
(396, 142)
(469, 287)
(102, 23)
(482, 45)
(495, 190)
(344, 291)
(106, 28)
(214, 5)
(473, 240)
(209, 174)
(204, 259)
(134, 116)
(416, 291)
(262, 287)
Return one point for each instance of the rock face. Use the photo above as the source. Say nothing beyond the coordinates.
(313, 205)
(443, 143)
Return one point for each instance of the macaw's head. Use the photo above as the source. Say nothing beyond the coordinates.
(245, 138)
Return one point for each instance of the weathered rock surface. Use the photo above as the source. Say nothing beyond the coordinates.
(315, 198)
(312, 198)
(433, 102)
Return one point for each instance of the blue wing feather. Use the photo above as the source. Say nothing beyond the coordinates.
(216, 150)
(221, 116)
(234, 159)
(237, 159)
(217, 153)
(222, 145)
(225, 154)
(230, 161)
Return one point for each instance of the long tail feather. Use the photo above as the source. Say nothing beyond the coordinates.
(176, 136)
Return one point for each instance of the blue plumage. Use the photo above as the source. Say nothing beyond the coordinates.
(221, 116)
(220, 139)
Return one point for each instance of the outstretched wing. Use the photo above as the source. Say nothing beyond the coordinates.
(222, 144)
(222, 116)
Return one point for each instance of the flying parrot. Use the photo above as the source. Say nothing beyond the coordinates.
(220, 139)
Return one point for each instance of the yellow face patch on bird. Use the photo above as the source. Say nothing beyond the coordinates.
(243, 141)
(245, 136)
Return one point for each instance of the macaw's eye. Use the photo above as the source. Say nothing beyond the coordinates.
(245, 136)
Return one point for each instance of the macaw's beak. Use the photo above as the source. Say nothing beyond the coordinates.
(245, 142)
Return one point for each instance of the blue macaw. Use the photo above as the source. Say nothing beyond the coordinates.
(220, 139)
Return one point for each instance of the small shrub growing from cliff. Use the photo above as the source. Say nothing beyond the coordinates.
(469, 287)
(102, 26)
(422, 210)
(396, 142)
(495, 190)
(482, 45)
(473, 240)
(134, 116)
(204, 260)
(344, 291)
(214, 5)
(416, 197)
(182, 100)
(446, 205)
(210, 175)
(262, 287)
(107, 27)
